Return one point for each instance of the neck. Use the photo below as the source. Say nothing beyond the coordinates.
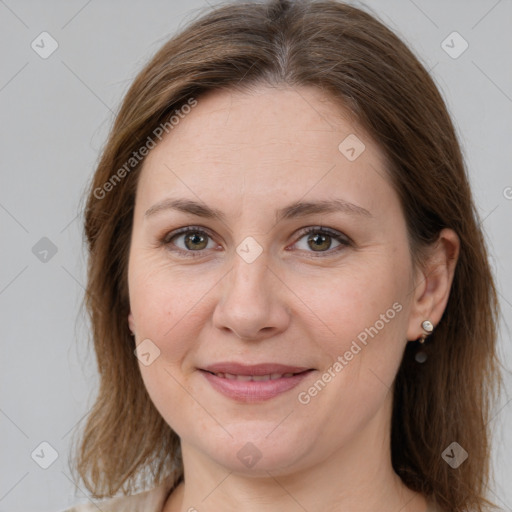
(356, 477)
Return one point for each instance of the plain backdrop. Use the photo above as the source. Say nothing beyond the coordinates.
(55, 115)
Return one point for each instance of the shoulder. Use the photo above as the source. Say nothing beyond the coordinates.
(152, 500)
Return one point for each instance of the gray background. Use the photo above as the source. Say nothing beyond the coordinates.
(55, 116)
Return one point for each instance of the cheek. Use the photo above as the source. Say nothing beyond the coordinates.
(364, 300)
(153, 297)
(171, 398)
(167, 304)
(366, 313)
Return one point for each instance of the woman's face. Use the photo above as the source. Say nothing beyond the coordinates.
(249, 286)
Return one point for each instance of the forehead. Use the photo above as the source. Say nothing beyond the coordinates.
(283, 142)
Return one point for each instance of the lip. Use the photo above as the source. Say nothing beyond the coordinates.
(253, 391)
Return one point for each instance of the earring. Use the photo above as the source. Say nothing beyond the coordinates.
(428, 328)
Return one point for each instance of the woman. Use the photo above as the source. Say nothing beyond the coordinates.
(290, 295)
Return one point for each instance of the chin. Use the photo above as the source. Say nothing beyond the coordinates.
(251, 452)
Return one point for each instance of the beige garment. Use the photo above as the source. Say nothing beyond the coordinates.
(148, 501)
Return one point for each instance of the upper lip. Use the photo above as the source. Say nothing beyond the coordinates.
(254, 369)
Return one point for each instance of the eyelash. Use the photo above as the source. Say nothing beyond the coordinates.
(344, 240)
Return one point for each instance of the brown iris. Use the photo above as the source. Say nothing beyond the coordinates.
(197, 240)
(319, 241)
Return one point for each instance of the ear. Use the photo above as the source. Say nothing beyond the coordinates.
(433, 283)
(131, 322)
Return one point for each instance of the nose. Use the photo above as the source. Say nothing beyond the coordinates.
(252, 302)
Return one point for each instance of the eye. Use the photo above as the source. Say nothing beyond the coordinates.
(320, 240)
(189, 240)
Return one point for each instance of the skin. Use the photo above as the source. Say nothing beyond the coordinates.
(248, 154)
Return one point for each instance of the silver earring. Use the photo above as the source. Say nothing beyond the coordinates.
(428, 328)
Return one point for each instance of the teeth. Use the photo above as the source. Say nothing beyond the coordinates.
(255, 378)
(260, 377)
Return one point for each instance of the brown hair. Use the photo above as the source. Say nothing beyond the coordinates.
(359, 62)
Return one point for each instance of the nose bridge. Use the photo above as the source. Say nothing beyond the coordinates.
(248, 283)
(251, 305)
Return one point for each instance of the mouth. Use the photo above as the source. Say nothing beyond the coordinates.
(254, 378)
(254, 383)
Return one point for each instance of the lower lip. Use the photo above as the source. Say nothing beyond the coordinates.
(254, 391)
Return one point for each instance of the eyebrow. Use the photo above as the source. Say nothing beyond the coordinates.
(294, 210)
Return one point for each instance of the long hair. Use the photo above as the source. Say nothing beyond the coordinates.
(354, 59)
